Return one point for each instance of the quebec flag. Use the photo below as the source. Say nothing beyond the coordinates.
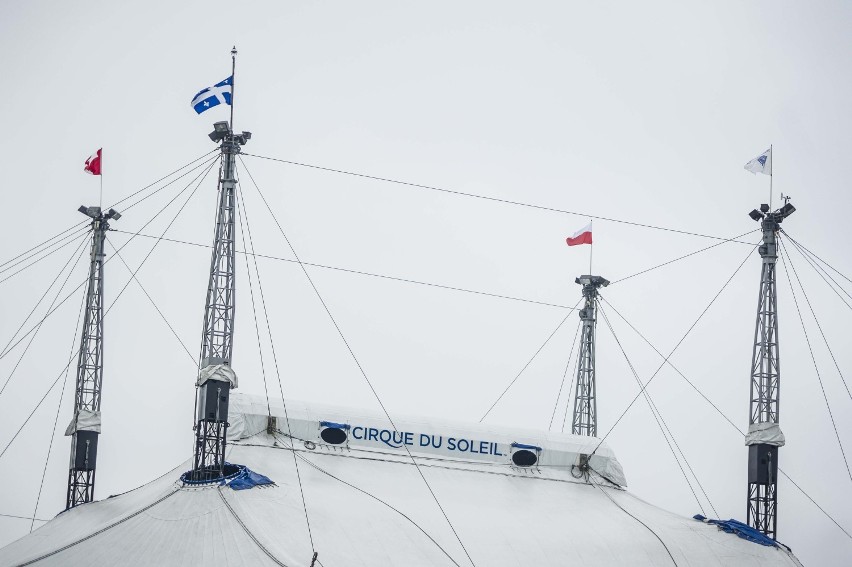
(213, 96)
(761, 164)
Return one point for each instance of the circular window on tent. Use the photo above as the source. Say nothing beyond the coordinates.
(333, 435)
(524, 458)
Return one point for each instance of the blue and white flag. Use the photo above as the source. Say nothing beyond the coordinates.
(213, 96)
(761, 164)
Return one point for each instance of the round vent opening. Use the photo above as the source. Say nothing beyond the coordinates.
(333, 435)
(524, 458)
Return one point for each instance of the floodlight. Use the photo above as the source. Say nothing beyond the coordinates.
(764, 208)
(756, 215)
(113, 214)
(93, 212)
(220, 130)
(584, 280)
(787, 210)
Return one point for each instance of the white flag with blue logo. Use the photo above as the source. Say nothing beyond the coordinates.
(213, 96)
(761, 164)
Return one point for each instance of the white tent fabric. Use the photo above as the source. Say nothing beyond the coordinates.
(220, 372)
(369, 507)
(765, 434)
(84, 420)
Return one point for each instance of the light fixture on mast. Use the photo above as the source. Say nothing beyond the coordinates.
(85, 426)
(764, 437)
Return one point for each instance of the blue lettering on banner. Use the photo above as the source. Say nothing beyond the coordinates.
(397, 439)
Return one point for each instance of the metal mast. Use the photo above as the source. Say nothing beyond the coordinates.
(764, 438)
(85, 426)
(585, 420)
(216, 377)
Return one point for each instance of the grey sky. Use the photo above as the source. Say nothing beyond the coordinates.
(645, 113)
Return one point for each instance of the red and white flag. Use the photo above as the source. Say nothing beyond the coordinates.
(93, 164)
(582, 236)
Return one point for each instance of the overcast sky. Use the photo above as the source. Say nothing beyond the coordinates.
(644, 112)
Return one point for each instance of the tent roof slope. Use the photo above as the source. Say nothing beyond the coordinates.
(369, 506)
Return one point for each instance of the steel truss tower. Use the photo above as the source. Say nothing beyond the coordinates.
(585, 420)
(86, 424)
(211, 425)
(765, 438)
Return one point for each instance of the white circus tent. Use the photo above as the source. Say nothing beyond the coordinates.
(368, 504)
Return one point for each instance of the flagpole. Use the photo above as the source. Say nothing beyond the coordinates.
(771, 167)
(233, 82)
(591, 247)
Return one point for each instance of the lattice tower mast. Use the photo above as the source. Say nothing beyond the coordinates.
(217, 335)
(585, 419)
(765, 438)
(85, 426)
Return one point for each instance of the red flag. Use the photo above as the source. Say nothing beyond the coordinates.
(582, 236)
(93, 164)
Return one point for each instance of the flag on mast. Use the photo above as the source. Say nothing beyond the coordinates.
(220, 93)
(761, 164)
(93, 164)
(582, 236)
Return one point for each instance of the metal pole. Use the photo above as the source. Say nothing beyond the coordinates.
(211, 425)
(584, 420)
(233, 81)
(85, 425)
(764, 437)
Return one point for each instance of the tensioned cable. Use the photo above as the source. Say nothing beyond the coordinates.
(564, 375)
(109, 308)
(45, 244)
(376, 498)
(686, 334)
(33, 310)
(813, 314)
(671, 365)
(52, 303)
(197, 167)
(114, 205)
(248, 531)
(820, 271)
(611, 499)
(362, 273)
(661, 423)
(355, 359)
(274, 358)
(569, 405)
(58, 409)
(23, 517)
(237, 206)
(154, 303)
(102, 530)
(530, 361)
(487, 198)
(202, 175)
(835, 270)
(69, 240)
(811, 350)
(38, 405)
(734, 239)
(814, 502)
(721, 413)
(201, 179)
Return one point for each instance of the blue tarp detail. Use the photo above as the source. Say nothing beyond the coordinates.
(740, 530)
(334, 425)
(249, 479)
(522, 446)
